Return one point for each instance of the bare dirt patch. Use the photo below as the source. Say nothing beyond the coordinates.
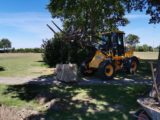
(13, 113)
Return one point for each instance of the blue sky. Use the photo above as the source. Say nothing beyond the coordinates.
(148, 33)
(24, 23)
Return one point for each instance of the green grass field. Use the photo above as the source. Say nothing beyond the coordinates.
(29, 64)
(21, 65)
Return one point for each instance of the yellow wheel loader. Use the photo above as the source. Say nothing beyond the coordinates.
(110, 56)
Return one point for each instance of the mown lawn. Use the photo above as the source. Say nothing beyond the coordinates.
(30, 64)
(105, 102)
(21, 65)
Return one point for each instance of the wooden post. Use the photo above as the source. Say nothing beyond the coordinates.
(159, 54)
(156, 77)
(158, 73)
(155, 86)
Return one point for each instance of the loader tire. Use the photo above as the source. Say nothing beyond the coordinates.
(133, 65)
(106, 70)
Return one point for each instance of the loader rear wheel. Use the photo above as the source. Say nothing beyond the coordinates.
(133, 65)
(106, 70)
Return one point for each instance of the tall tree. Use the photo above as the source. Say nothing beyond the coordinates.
(94, 16)
(89, 16)
(5, 43)
(132, 39)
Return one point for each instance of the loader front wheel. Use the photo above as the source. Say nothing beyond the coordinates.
(107, 70)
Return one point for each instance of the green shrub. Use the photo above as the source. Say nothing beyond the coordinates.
(57, 51)
(52, 51)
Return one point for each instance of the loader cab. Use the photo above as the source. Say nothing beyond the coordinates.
(114, 42)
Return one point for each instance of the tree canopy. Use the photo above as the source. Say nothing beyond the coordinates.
(132, 39)
(100, 15)
(5, 43)
(88, 15)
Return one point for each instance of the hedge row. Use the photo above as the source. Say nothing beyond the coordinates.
(22, 50)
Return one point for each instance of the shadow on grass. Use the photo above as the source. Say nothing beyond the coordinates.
(41, 61)
(43, 80)
(111, 102)
(143, 72)
(142, 76)
(2, 68)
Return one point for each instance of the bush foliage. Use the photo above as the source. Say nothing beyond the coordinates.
(57, 51)
(21, 50)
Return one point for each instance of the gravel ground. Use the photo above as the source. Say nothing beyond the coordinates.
(116, 81)
(82, 81)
